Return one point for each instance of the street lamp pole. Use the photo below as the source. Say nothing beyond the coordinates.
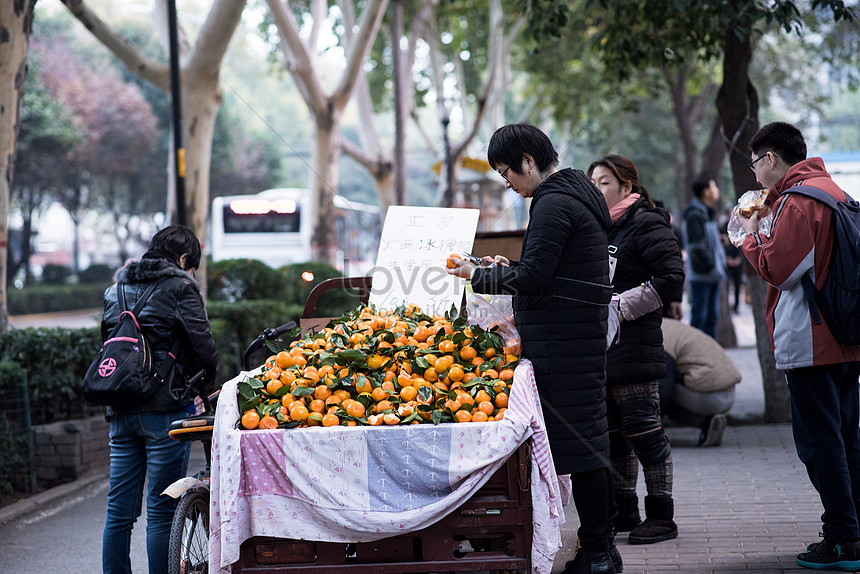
(176, 113)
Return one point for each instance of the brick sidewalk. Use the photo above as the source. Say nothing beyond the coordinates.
(746, 505)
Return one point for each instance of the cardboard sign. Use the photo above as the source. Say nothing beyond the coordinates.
(410, 264)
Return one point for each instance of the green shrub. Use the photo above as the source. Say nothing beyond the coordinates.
(41, 298)
(235, 325)
(54, 274)
(98, 273)
(55, 360)
(14, 460)
(332, 303)
(243, 279)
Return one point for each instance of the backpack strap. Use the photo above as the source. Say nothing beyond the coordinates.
(168, 361)
(140, 302)
(806, 281)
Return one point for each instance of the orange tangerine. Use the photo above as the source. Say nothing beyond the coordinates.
(500, 415)
(283, 360)
(251, 419)
(447, 346)
(468, 353)
(268, 422)
(479, 417)
(408, 393)
(501, 400)
(490, 353)
(273, 385)
(390, 419)
(486, 407)
(463, 416)
(506, 374)
(378, 394)
(330, 420)
(355, 409)
(316, 406)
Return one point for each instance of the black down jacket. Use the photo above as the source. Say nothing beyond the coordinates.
(648, 251)
(561, 290)
(174, 310)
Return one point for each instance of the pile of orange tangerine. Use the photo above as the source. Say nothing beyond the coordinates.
(383, 368)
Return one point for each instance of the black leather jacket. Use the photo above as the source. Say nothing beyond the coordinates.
(174, 310)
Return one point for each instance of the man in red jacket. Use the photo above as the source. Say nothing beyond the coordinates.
(822, 374)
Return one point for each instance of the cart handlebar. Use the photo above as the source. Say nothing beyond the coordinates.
(267, 335)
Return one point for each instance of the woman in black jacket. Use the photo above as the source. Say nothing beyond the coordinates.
(648, 271)
(140, 447)
(561, 291)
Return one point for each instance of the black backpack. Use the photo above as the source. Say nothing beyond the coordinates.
(121, 374)
(839, 300)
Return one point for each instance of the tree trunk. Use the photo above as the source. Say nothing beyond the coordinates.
(16, 25)
(324, 179)
(202, 99)
(737, 103)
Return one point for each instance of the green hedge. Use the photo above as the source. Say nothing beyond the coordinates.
(43, 298)
(55, 360)
(14, 444)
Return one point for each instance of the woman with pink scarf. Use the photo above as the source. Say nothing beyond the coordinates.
(648, 271)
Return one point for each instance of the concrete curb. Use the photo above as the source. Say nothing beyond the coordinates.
(44, 499)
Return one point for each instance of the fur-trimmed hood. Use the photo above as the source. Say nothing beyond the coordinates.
(149, 270)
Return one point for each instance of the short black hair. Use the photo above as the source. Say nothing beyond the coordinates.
(700, 184)
(781, 138)
(511, 142)
(175, 240)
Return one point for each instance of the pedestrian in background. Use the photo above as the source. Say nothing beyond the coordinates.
(822, 373)
(140, 448)
(649, 271)
(561, 292)
(706, 258)
(699, 387)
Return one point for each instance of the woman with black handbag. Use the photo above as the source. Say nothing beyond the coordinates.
(648, 272)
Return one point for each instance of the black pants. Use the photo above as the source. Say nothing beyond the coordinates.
(825, 419)
(594, 500)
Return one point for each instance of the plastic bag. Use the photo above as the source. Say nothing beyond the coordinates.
(735, 231)
(489, 311)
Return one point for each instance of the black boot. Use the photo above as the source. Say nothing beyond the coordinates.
(615, 555)
(658, 524)
(628, 511)
(589, 562)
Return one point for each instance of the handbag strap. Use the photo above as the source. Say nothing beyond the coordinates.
(613, 247)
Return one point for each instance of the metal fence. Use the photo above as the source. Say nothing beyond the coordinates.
(17, 467)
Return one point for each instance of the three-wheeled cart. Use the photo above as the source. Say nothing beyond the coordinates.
(491, 531)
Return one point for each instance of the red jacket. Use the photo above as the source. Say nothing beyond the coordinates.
(801, 238)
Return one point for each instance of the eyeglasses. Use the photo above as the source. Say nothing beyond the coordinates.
(751, 164)
(503, 174)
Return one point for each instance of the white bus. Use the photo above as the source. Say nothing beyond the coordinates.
(275, 226)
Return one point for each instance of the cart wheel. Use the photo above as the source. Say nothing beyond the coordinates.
(188, 549)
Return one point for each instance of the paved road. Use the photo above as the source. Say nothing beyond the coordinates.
(69, 319)
(61, 530)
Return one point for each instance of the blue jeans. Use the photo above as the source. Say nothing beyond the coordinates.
(824, 419)
(704, 306)
(140, 447)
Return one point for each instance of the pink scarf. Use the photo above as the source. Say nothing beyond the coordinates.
(621, 207)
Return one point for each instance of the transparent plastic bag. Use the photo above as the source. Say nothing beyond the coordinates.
(489, 311)
(735, 231)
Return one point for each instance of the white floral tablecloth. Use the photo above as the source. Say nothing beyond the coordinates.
(358, 484)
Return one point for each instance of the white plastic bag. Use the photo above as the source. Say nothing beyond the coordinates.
(735, 231)
(489, 311)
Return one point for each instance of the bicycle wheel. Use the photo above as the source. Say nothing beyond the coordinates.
(188, 551)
